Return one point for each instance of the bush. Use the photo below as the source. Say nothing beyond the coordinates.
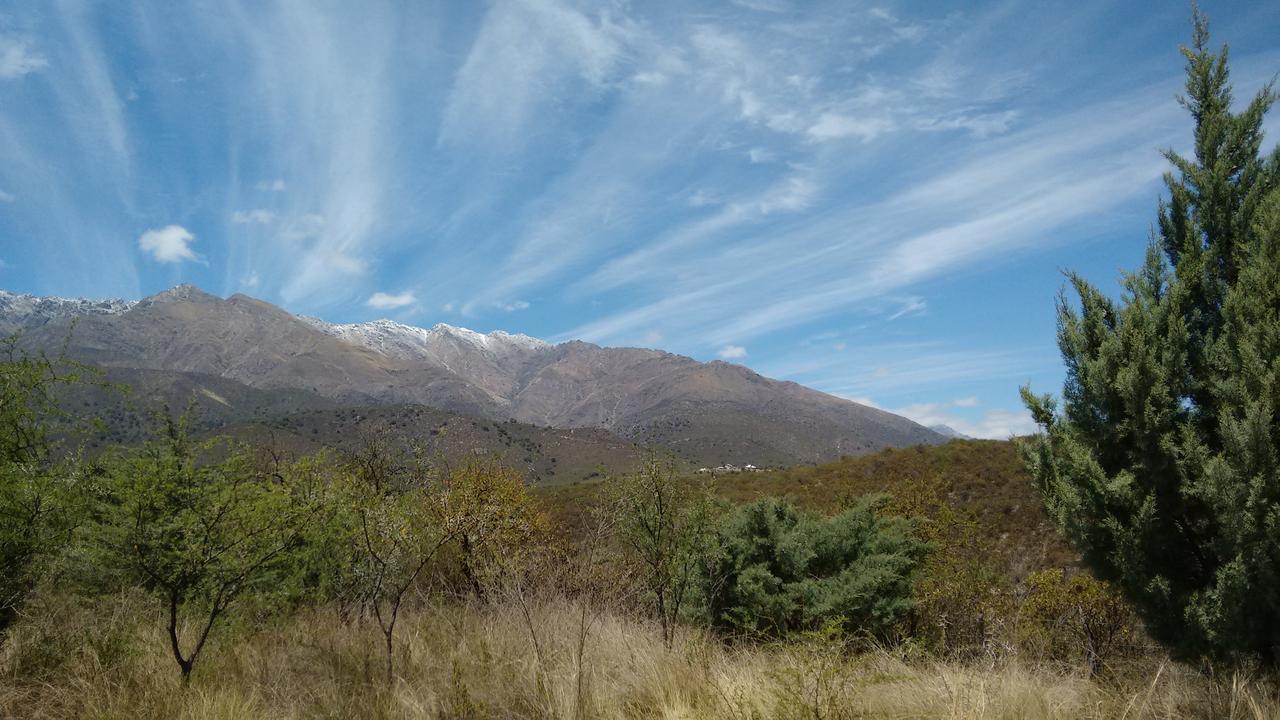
(775, 570)
(1072, 616)
(963, 596)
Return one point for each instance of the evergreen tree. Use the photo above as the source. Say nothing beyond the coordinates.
(1163, 465)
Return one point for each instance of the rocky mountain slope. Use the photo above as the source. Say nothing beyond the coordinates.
(706, 412)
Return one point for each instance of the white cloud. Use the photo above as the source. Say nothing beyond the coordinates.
(387, 301)
(513, 306)
(732, 352)
(302, 228)
(650, 78)
(447, 307)
(978, 124)
(7, 197)
(910, 306)
(994, 424)
(170, 244)
(260, 216)
(833, 126)
(251, 280)
(17, 58)
(344, 264)
(995, 198)
(776, 6)
(4, 265)
(276, 185)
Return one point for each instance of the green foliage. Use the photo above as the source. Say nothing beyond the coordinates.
(36, 488)
(199, 525)
(776, 570)
(1163, 465)
(665, 523)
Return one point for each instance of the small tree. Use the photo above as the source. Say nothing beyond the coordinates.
(200, 525)
(665, 523)
(777, 570)
(499, 524)
(1163, 466)
(402, 522)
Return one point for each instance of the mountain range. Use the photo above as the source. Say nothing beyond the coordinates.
(244, 360)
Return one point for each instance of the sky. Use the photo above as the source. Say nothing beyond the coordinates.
(874, 199)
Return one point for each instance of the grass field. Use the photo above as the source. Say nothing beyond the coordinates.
(461, 660)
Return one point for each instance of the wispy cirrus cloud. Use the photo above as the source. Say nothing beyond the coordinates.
(760, 174)
(992, 424)
(1005, 196)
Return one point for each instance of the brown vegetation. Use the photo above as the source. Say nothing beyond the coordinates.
(106, 660)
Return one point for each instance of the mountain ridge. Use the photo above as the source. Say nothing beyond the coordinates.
(705, 412)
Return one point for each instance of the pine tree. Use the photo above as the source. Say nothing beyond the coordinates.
(1163, 465)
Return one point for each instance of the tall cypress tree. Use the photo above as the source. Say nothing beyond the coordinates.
(1163, 463)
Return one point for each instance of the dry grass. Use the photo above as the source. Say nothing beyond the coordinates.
(109, 660)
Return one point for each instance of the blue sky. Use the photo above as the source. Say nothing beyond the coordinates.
(874, 199)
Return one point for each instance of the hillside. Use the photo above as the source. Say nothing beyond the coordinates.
(982, 477)
(707, 413)
(129, 404)
(544, 455)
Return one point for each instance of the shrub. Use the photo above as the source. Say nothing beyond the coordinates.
(776, 570)
(500, 526)
(1071, 616)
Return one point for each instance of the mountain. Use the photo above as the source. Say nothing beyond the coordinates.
(948, 431)
(19, 312)
(707, 413)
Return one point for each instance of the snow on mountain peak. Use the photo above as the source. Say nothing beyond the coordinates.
(18, 309)
(409, 341)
